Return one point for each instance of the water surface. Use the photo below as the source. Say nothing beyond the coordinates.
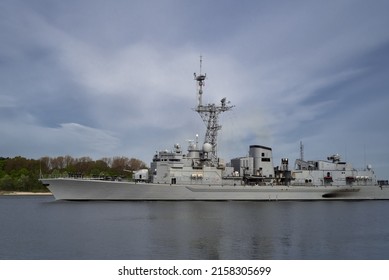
(38, 227)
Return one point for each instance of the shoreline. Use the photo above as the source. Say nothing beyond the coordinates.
(15, 193)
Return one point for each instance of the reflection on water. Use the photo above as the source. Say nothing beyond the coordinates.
(40, 228)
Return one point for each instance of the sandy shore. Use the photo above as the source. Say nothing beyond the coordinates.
(25, 193)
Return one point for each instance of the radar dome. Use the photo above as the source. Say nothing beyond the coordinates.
(207, 147)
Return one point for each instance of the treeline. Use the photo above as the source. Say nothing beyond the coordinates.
(22, 174)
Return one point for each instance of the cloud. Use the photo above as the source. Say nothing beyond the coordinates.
(97, 78)
(74, 139)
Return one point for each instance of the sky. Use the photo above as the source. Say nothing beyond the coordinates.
(115, 78)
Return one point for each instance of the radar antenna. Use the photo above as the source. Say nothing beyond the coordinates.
(200, 83)
(210, 115)
(301, 151)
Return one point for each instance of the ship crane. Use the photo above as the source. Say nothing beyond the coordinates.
(210, 115)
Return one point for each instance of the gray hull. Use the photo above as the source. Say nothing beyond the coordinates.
(74, 189)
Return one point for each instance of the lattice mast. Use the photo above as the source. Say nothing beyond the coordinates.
(210, 115)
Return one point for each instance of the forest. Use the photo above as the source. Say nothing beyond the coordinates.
(22, 175)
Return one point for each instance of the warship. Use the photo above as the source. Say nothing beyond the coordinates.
(199, 174)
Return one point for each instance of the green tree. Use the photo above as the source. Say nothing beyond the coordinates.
(7, 183)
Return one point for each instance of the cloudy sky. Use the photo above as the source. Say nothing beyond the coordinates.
(115, 78)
